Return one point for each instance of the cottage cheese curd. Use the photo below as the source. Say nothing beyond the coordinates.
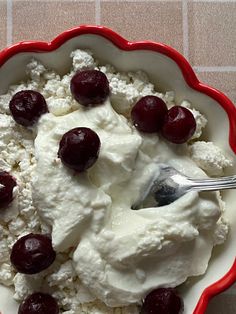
(105, 250)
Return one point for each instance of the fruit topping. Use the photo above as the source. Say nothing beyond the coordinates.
(7, 184)
(27, 106)
(162, 301)
(32, 253)
(148, 114)
(90, 87)
(79, 148)
(39, 303)
(179, 125)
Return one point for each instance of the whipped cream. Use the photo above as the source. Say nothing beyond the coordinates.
(105, 249)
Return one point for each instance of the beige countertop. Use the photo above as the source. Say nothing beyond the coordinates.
(204, 31)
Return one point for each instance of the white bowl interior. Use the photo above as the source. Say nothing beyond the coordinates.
(166, 76)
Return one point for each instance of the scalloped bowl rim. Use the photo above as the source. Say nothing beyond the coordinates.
(190, 78)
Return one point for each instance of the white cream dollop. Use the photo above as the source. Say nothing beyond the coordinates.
(121, 254)
(72, 201)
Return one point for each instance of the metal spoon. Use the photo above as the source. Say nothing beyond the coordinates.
(171, 185)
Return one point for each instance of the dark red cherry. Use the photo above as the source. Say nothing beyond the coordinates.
(27, 106)
(79, 148)
(32, 253)
(89, 87)
(39, 303)
(163, 301)
(148, 114)
(7, 184)
(179, 125)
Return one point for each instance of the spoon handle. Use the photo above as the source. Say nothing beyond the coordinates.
(212, 184)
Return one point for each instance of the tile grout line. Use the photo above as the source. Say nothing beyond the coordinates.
(152, 1)
(213, 1)
(215, 68)
(9, 22)
(200, 1)
(98, 12)
(185, 28)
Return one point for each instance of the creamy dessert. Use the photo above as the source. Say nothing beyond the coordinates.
(74, 161)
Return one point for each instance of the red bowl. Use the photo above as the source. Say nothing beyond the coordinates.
(191, 80)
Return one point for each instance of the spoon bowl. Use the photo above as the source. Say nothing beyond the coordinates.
(170, 184)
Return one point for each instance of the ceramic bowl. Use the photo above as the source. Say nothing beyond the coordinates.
(168, 70)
